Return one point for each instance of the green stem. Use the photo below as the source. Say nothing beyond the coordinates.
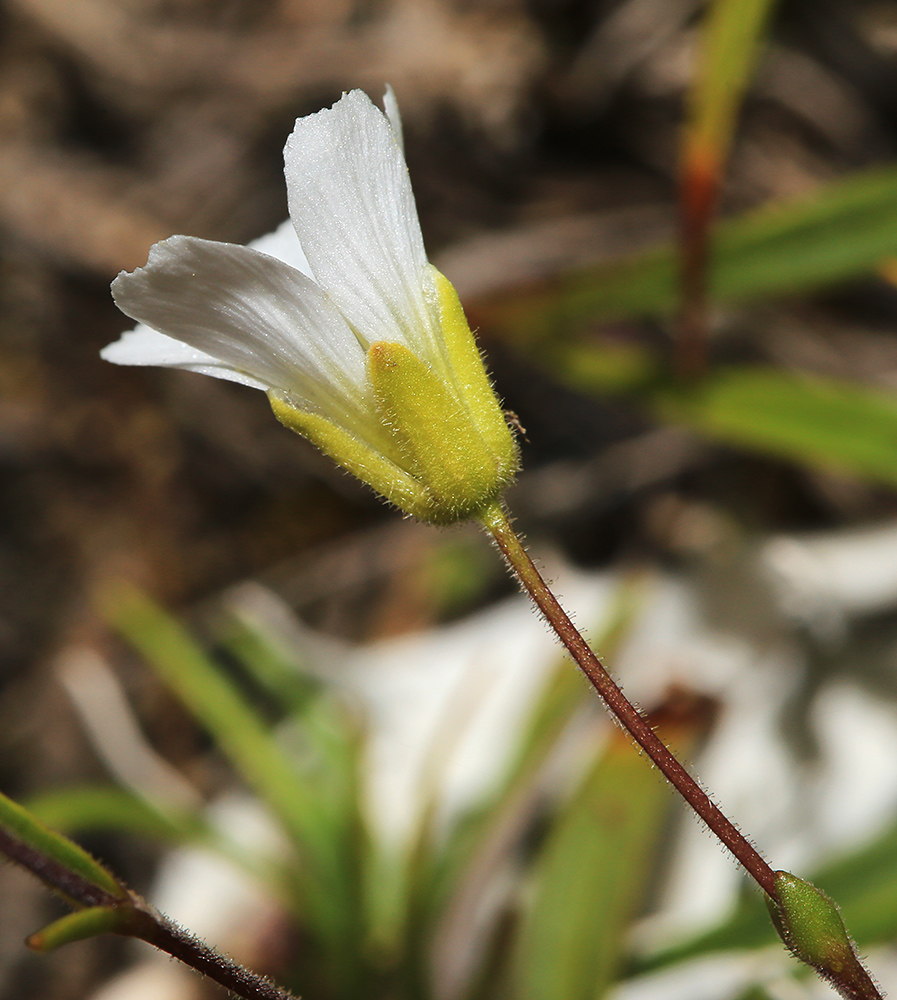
(496, 522)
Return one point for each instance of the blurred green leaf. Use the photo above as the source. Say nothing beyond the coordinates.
(755, 991)
(814, 421)
(98, 808)
(566, 689)
(457, 570)
(864, 883)
(591, 876)
(277, 677)
(75, 810)
(805, 418)
(446, 877)
(730, 41)
(319, 731)
(221, 708)
(596, 366)
(326, 874)
(564, 693)
(840, 231)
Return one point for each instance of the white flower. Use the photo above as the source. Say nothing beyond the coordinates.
(358, 340)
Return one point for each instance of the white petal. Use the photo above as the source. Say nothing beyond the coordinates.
(144, 346)
(248, 313)
(284, 244)
(393, 115)
(351, 203)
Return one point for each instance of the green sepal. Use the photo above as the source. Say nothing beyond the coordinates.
(80, 925)
(356, 457)
(440, 441)
(470, 372)
(440, 448)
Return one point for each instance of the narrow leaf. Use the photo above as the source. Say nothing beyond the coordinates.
(730, 42)
(447, 880)
(220, 707)
(80, 925)
(823, 422)
(564, 693)
(280, 679)
(107, 808)
(57, 861)
(593, 872)
(324, 875)
(841, 231)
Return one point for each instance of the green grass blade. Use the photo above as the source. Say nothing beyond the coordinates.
(448, 875)
(324, 731)
(591, 877)
(279, 678)
(328, 737)
(564, 692)
(89, 808)
(804, 418)
(730, 41)
(223, 711)
(731, 37)
(841, 231)
(325, 878)
(814, 421)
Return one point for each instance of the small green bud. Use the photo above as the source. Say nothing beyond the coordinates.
(810, 924)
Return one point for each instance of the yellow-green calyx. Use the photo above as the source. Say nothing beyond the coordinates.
(443, 449)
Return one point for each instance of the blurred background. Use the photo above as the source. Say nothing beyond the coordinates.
(543, 139)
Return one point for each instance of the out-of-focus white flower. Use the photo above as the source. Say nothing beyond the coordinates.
(360, 343)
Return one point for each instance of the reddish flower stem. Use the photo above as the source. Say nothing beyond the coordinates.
(496, 522)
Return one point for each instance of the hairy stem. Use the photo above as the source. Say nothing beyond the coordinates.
(69, 884)
(496, 522)
(159, 931)
(136, 918)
